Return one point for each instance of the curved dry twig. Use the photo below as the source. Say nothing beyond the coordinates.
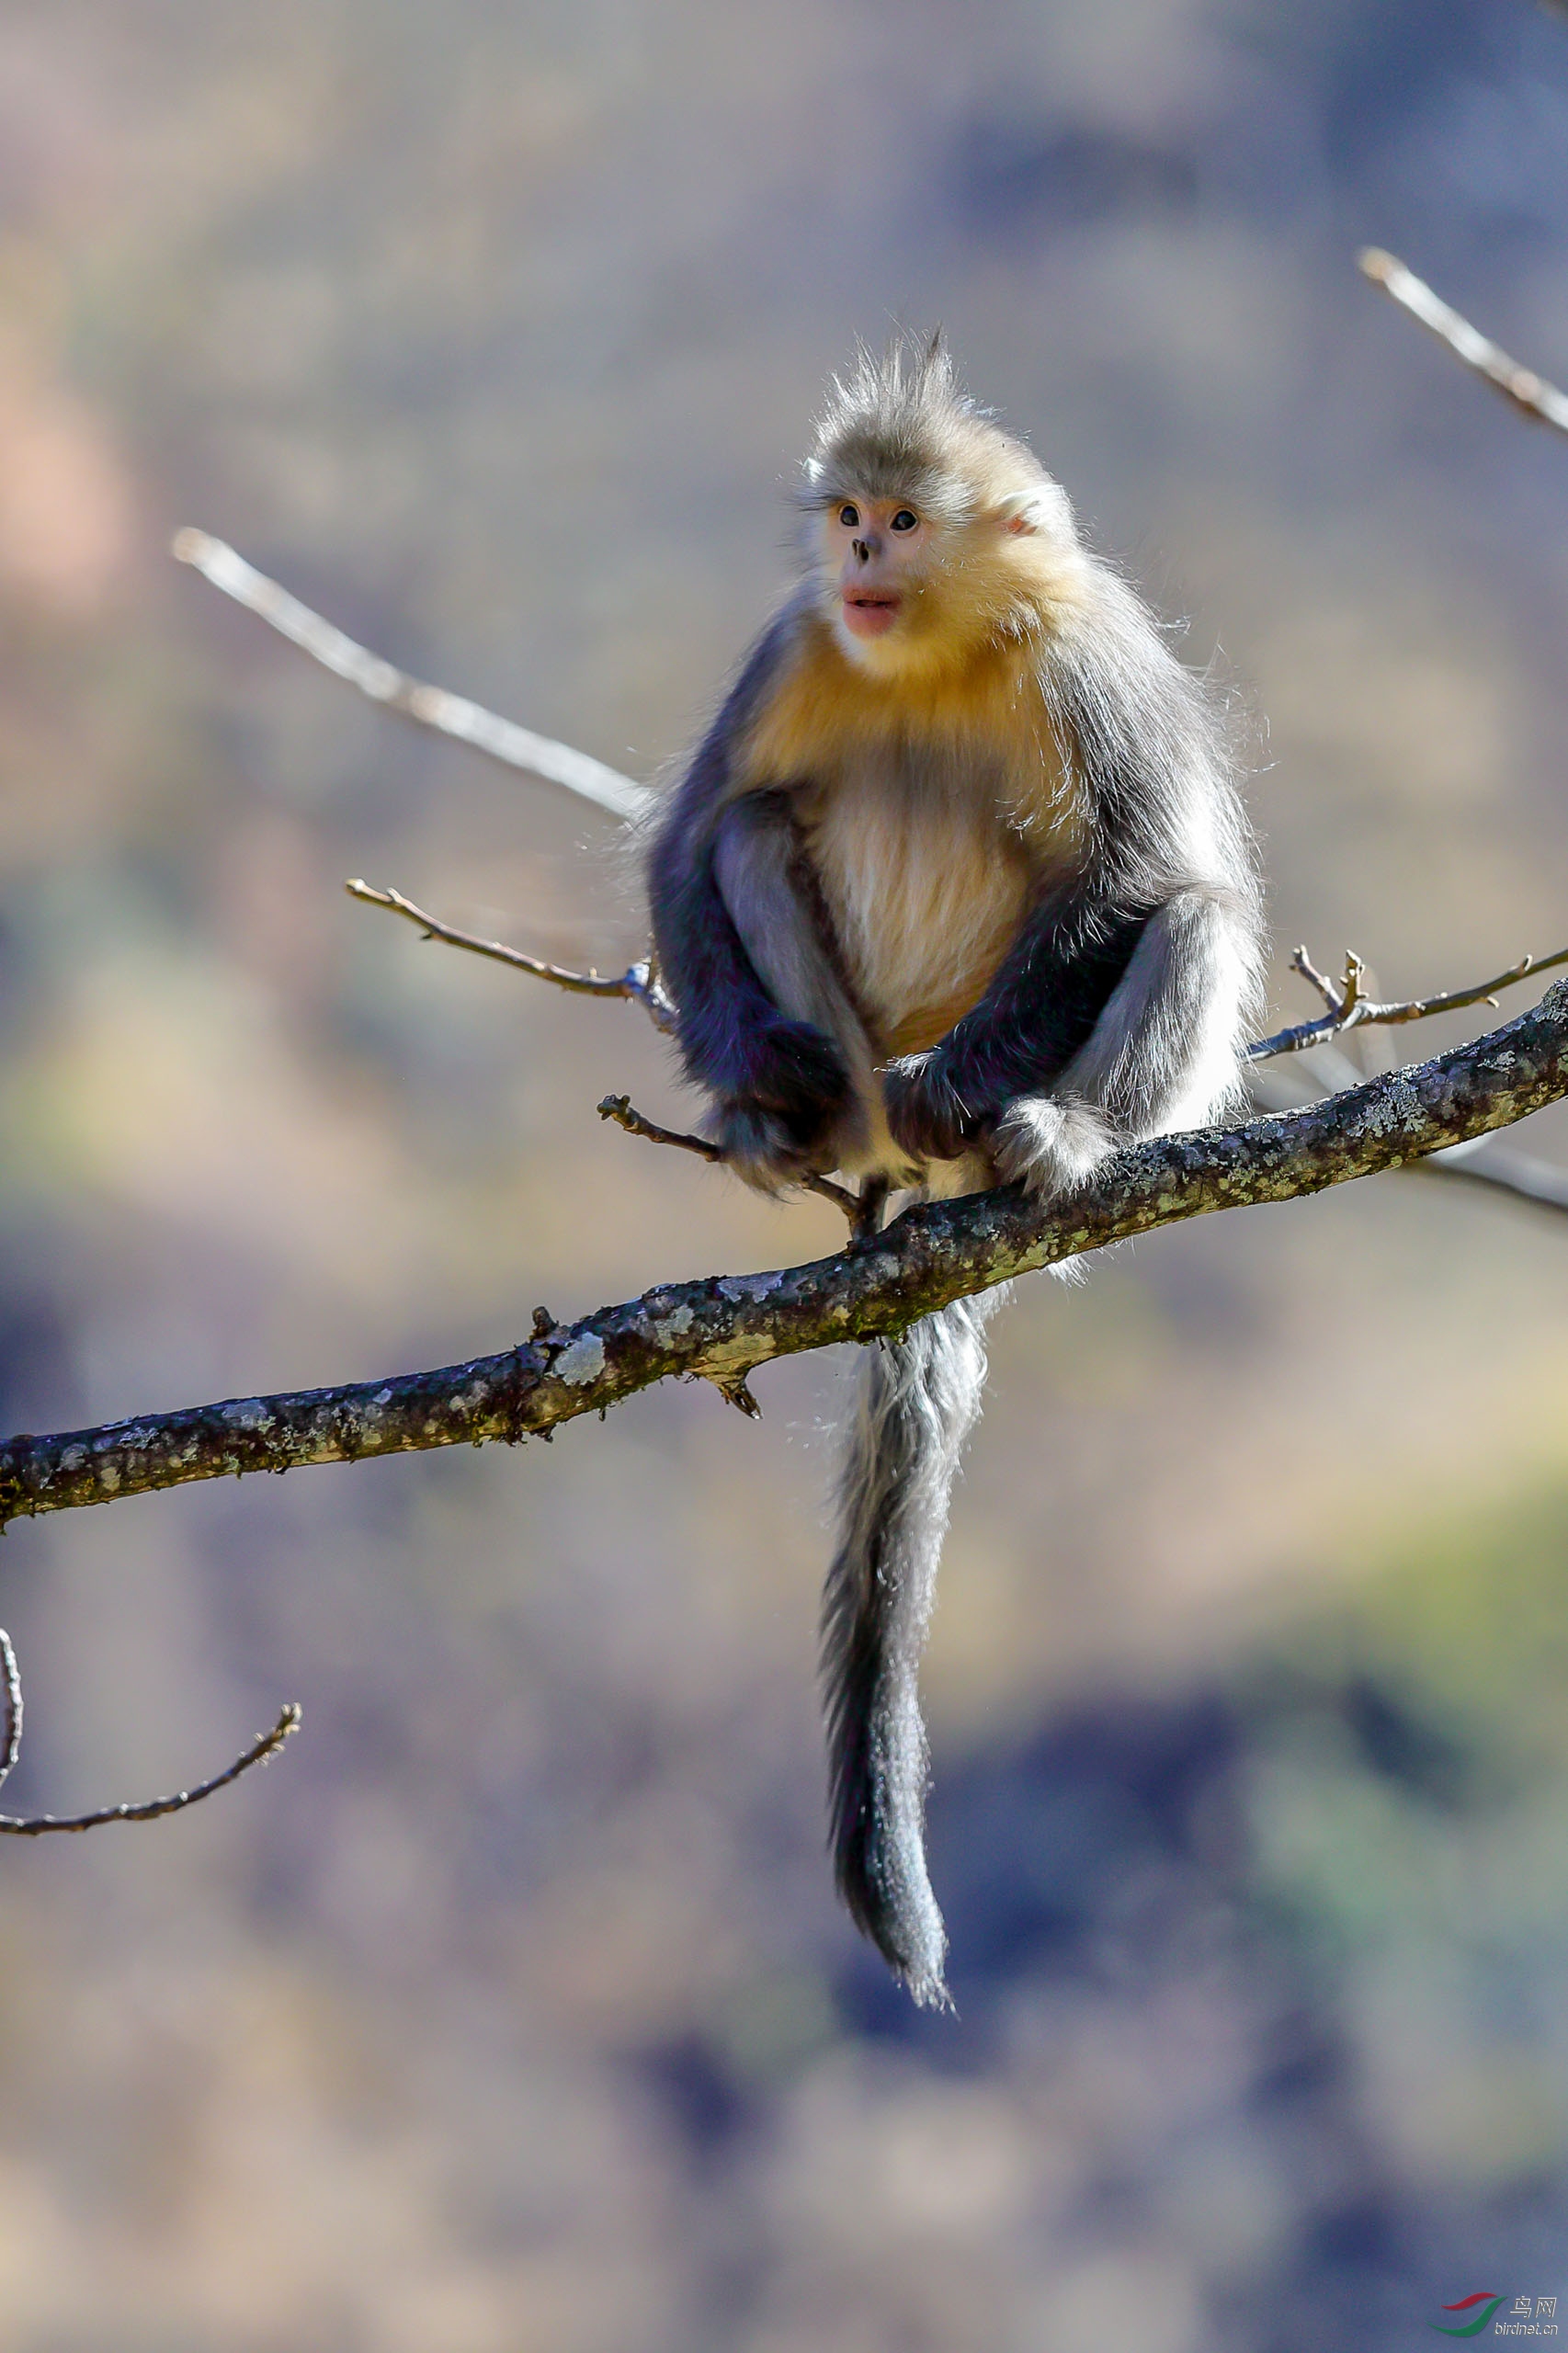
(636, 983)
(722, 1326)
(39, 1825)
(516, 747)
(1530, 393)
(1348, 1009)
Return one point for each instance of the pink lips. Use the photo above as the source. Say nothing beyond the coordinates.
(869, 615)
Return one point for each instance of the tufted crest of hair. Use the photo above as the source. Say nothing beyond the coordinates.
(899, 425)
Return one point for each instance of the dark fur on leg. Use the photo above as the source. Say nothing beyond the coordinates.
(1039, 1011)
(918, 1399)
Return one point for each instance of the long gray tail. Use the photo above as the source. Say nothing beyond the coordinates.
(918, 1399)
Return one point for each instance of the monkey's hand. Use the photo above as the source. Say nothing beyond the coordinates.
(778, 1117)
(928, 1118)
(1051, 1144)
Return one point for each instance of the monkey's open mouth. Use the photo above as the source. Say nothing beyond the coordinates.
(868, 614)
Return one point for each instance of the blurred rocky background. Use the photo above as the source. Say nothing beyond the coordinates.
(510, 2009)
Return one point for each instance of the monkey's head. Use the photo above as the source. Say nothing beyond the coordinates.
(931, 533)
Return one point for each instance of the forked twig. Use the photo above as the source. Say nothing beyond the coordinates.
(37, 1826)
(636, 983)
(1529, 393)
(516, 747)
(1348, 1009)
(1301, 962)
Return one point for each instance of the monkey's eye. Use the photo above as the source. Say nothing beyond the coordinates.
(905, 521)
(849, 515)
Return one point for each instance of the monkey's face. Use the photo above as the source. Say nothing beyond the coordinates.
(878, 543)
(875, 560)
(910, 584)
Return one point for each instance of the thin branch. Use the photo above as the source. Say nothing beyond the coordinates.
(636, 983)
(1348, 1009)
(617, 1108)
(721, 1328)
(1520, 1173)
(1530, 394)
(38, 1826)
(514, 747)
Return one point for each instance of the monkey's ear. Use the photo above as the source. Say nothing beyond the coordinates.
(1040, 507)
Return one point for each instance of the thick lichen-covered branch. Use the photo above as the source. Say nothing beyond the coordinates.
(724, 1326)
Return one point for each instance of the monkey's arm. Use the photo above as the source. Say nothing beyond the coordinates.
(1162, 1056)
(780, 1083)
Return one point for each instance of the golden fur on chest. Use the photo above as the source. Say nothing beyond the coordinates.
(932, 813)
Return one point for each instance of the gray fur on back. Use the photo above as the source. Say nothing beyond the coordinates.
(918, 1397)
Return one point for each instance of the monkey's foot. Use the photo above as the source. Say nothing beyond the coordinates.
(1051, 1144)
(764, 1148)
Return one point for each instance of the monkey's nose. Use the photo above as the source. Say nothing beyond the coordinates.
(863, 552)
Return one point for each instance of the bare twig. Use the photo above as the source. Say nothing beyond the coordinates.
(38, 1826)
(636, 983)
(617, 1108)
(722, 1326)
(1348, 1009)
(1529, 393)
(1301, 962)
(516, 747)
(1350, 998)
